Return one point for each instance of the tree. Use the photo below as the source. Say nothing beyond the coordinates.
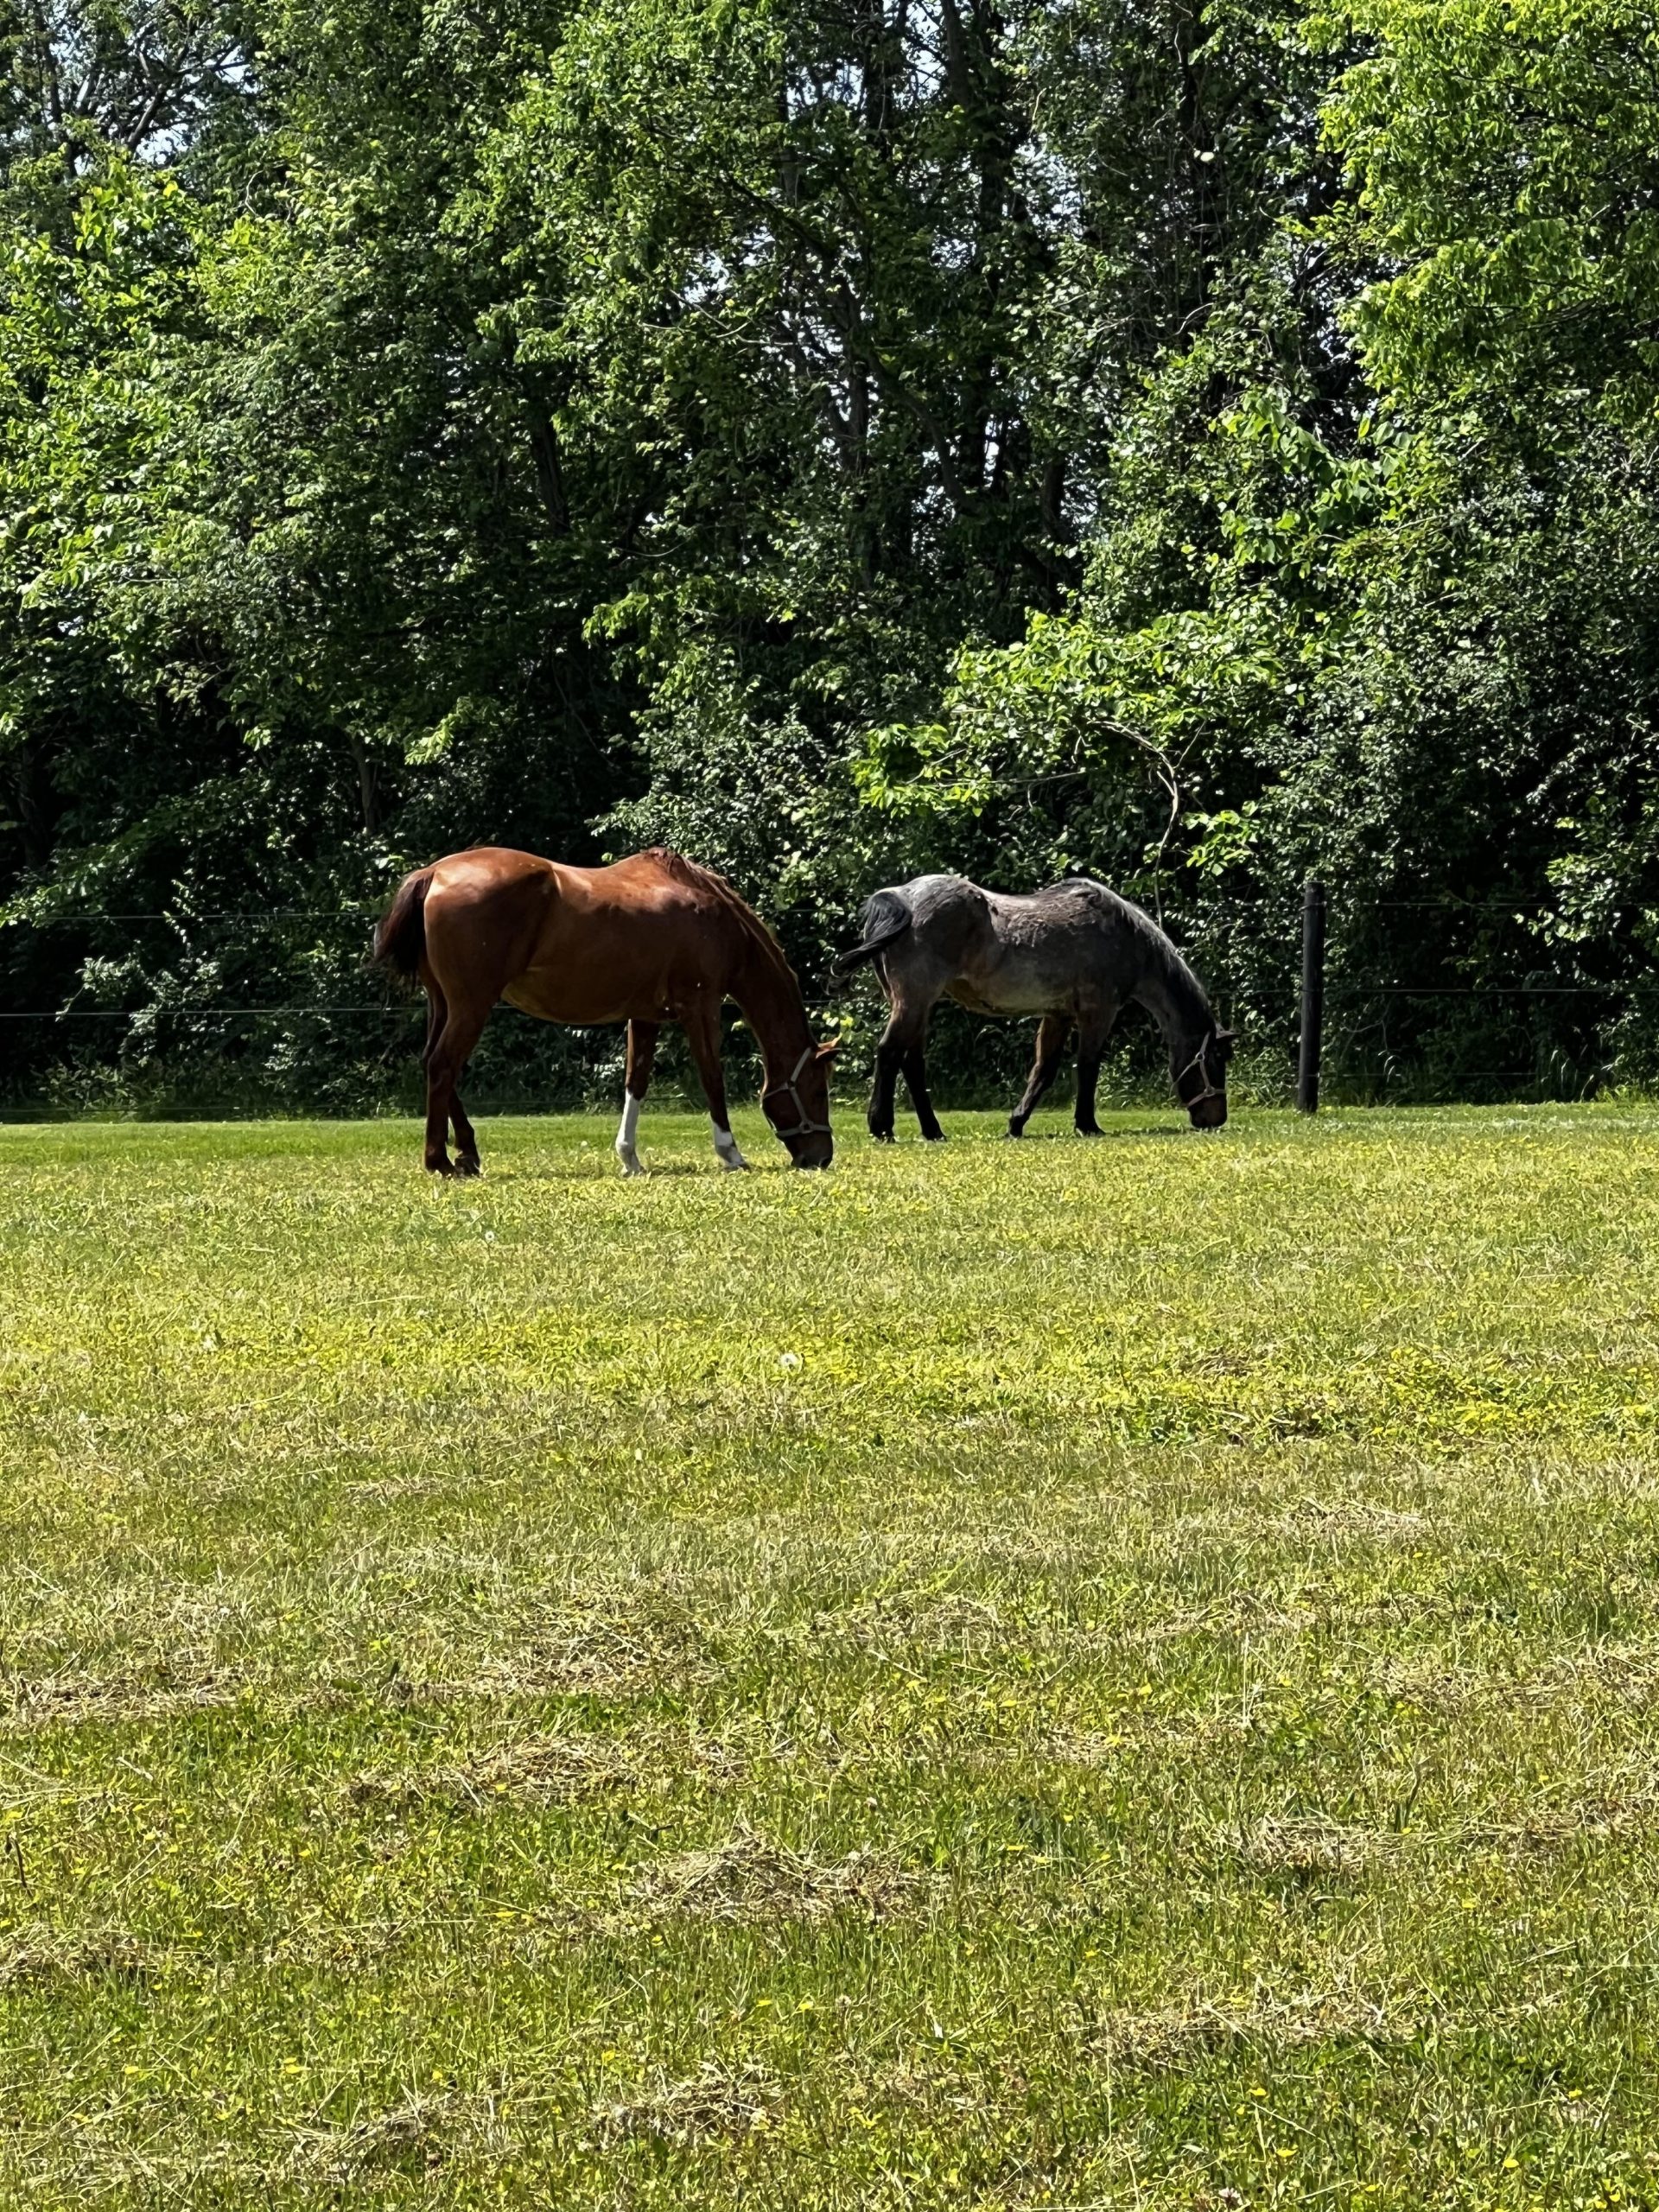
(1506, 168)
(1391, 616)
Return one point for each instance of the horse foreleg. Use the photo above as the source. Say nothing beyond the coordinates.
(1051, 1031)
(1088, 1077)
(1092, 1033)
(701, 1022)
(642, 1052)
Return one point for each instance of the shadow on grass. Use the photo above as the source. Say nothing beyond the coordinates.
(1106, 1136)
(662, 1172)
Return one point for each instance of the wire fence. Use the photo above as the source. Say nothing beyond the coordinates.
(195, 1011)
(1365, 981)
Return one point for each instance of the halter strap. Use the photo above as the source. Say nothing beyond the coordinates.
(806, 1127)
(1200, 1061)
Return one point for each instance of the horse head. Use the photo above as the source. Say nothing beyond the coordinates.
(799, 1108)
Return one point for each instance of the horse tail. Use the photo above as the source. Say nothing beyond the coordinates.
(400, 935)
(884, 921)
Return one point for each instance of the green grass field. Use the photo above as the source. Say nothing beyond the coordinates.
(1114, 1675)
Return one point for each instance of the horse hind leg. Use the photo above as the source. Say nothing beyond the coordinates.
(465, 1134)
(642, 1052)
(451, 1045)
(903, 1050)
(467, 1158)
(915, 1065)
(879, 1114)
(437, 1111)
(1052, 1034)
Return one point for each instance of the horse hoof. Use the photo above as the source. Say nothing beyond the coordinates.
(468, 1165)
(1016, 1129)
(882, 1136)
(932, 1136)
(1090, 1130)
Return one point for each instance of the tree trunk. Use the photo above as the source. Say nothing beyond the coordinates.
(549, 470)
(36, 812)
(368, 785)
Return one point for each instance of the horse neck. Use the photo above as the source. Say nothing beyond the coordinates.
(771, 998)
(1175, 999)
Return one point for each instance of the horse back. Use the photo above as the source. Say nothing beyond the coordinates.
(1068, 946)
(581, 944)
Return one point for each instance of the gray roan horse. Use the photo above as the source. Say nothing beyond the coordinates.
(1073, 954)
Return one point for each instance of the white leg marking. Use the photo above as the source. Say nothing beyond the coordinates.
(625, 1151)
(726, 1146)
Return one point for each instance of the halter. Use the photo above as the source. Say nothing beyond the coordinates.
(806, 1127)
(1201, 1062)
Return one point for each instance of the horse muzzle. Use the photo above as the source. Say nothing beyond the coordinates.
(1208, 1113)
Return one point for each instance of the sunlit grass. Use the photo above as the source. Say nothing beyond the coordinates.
(1113, 1674)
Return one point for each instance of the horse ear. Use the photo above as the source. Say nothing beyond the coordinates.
(830, 1047)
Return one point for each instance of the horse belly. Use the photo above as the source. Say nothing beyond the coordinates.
(1013, 987)
(582, 1001)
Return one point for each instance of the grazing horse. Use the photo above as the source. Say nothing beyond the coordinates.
(655, 938)
(1072, 954)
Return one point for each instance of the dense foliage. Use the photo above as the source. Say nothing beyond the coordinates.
(1199, 445)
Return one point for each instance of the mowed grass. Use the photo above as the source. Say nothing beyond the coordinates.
(1116, 1674)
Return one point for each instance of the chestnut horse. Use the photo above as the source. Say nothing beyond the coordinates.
(655, 938)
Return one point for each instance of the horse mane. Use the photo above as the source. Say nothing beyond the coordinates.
(700, 878)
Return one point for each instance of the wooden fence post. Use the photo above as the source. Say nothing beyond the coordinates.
(1307, 1061)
